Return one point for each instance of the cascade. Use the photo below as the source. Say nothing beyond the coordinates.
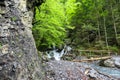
(57, 55)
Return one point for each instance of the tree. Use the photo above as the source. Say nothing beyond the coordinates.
(52, 20)
(96, 24)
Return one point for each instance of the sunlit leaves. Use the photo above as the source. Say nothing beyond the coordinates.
(52, 22)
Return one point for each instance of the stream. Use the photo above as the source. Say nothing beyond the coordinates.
(113, 72)
(68, 70)
(106, 70)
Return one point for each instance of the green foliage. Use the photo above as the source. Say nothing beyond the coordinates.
(52, 20)
(96, 24)
(0, 45)
(14, 18)
(90, 24)
(113, 48)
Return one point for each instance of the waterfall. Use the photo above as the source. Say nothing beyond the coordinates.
(57, 55)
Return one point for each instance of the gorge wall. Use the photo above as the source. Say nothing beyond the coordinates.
(18, 55)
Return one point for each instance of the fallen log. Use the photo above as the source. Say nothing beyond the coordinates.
(93, 59)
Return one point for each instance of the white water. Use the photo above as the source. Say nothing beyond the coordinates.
(57, 55)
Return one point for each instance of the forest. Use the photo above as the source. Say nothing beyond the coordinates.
(81, 24)
(59, 39)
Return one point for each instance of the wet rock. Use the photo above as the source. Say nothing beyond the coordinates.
(66, 70)
(113, 62)
(117, 61)
(109, 63)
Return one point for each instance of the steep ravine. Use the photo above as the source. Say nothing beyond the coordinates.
(18, 55)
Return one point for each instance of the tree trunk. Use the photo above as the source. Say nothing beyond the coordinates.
(105, 30)
(114, 24)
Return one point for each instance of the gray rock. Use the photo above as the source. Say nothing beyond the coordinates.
(109, 63)
(66, 70)
(113, 62)
(117, 61)
(18, 55)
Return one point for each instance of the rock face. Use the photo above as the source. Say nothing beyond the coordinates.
(18, 54)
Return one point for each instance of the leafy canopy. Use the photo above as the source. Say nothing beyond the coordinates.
(52, 20)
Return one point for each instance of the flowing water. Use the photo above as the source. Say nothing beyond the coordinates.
(57, 55)
(107, 70)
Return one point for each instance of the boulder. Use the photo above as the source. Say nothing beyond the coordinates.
(109, 63)
(117, 61)
(112, 62)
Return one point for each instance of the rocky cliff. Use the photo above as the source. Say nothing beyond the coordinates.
(18, 54)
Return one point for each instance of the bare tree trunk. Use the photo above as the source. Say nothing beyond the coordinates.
(98, 29)
(98, 22)
(105, 30)
(114, 23)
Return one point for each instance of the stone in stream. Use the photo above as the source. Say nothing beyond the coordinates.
(117, 61)
(112, 62)
(109, 63)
